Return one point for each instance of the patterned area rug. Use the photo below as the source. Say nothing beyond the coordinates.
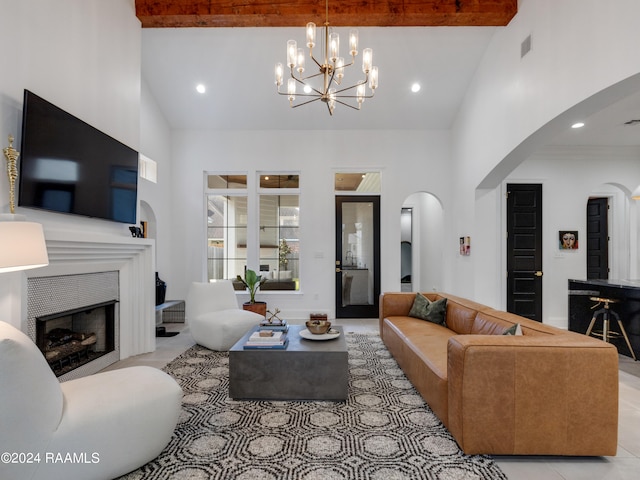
(384, 431)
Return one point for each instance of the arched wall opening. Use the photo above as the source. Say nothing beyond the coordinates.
(422, 241)
(572, 167)
(148, 215)
(618, 229)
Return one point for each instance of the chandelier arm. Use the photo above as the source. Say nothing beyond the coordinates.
(353, 61)
(317, 96)
(314, 59)
(363, 82)
(304, 103)
(303, 82)
(354, 96)
(302, 79)
(345, 103)
(331, 79)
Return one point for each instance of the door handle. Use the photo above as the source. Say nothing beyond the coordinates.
(539, 274)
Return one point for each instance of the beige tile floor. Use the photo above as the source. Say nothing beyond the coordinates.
(624, 466)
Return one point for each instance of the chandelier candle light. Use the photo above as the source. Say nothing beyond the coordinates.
(331, 71)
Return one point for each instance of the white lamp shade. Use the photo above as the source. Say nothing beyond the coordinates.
(22, 246)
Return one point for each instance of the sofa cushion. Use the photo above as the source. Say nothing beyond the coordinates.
(425, 309)
(460, 318)
(486, 323)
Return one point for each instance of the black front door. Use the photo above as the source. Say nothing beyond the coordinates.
(524, 250)
(357, 256)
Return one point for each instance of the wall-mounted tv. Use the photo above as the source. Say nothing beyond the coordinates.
(68, 166)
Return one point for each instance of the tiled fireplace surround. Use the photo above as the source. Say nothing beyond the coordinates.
(53, 295)
(130, 261)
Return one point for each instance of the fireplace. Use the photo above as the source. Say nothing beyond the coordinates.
(73, 338)
(75, 321)
(77, 259)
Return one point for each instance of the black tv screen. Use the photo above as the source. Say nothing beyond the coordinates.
(68, 166)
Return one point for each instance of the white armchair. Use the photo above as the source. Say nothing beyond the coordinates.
(97, 427)
(214, 318)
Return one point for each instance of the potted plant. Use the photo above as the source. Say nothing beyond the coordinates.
(283, 250)
(252, 281)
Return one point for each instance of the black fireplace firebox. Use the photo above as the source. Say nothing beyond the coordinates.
(72, 338)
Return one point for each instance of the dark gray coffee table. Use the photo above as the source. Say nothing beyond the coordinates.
(306, 370)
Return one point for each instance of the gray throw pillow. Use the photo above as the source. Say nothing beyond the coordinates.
(425, 309)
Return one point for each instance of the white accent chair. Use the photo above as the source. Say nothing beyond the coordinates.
(214, 318)
(97, 427)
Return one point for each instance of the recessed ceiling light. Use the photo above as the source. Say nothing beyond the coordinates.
(200, 88)
(415, 87)
(307, 89)
(577, 125)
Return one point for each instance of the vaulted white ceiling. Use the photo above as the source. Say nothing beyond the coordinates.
(237, 67)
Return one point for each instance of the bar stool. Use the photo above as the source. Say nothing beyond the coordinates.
(606, 313)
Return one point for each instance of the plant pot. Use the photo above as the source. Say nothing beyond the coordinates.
(257, 307)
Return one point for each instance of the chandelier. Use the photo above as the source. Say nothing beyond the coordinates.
(325, 81)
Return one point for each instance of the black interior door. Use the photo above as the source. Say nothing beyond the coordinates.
(524, 250)
(357, 256)
(598, 238)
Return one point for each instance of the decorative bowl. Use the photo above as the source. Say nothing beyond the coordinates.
(318, 327)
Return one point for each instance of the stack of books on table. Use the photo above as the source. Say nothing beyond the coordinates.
(267, 339)
(281, 326)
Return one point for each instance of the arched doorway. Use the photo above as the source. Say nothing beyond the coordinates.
(617, 234)
(421, 247)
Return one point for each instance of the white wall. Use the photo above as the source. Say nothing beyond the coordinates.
(427, 242)
(569, 176)
(155, 143)
(515, 106)
(83, 56)
(409, 161)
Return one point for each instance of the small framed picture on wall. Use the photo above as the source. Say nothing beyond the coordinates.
(465, 246)
(568, 239)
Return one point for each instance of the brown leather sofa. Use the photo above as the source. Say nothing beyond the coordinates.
(546, 392)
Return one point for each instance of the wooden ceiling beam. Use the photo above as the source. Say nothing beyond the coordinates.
(296, 13)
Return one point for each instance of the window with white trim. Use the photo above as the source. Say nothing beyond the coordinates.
(232, 223)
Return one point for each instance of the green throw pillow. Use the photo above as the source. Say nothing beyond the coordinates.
(514, 329)
(425, 309)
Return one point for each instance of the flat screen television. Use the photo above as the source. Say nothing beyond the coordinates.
(68, 166)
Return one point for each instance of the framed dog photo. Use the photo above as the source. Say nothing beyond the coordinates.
(568, 239)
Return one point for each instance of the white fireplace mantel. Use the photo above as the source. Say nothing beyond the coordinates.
(86, 252)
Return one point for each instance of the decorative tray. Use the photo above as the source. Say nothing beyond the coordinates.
(330, 335)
